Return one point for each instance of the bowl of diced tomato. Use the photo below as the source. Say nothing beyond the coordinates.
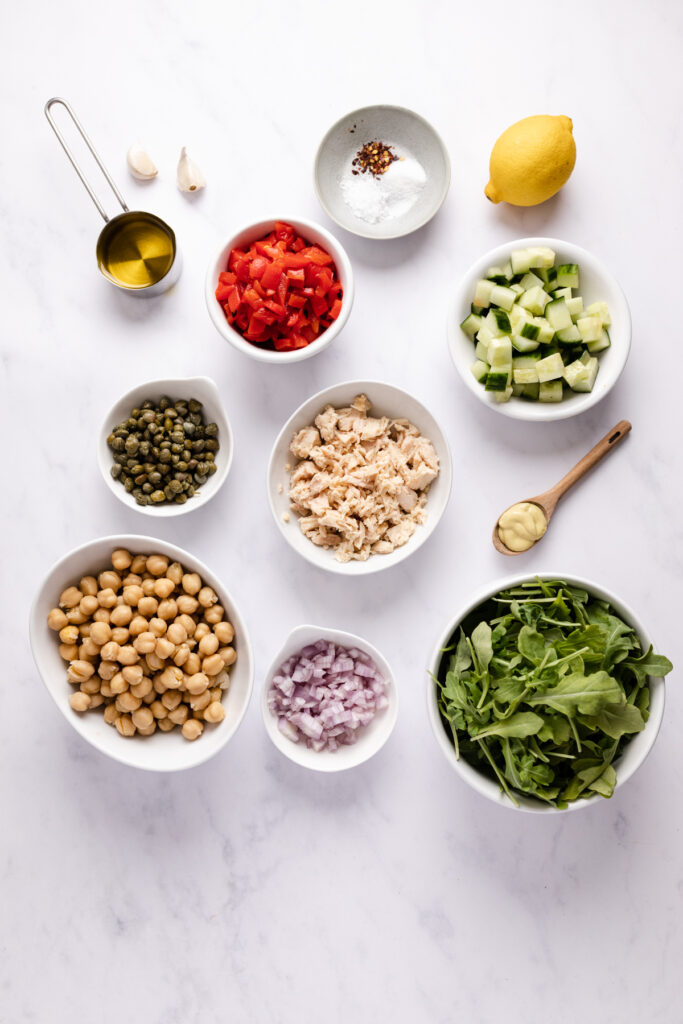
(280, 290)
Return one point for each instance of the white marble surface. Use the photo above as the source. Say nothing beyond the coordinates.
(248, 890)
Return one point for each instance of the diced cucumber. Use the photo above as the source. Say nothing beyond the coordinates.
(517, 389)
(480, 370)
(546, 332)
(548, 275)
(499, 279)
(550, 391)
(568, 275)
(550, 368)
(500, 354)
(600, 309)
(561, 293)
(530, 331)
(525, 376)
(519, 315)
(503, 297)
(531, 281)
(481, 351)
(507, 270)
(594, 347)
(535, 300)
(530, 392)
(477, 310)
(502, 396)
(496, 272)
(497, 381)
(590, 327)
(575, 307)
(497, 322)
(571, 352)
(557, 315)
(520, 260)
(471, 325)
(482, 293)
(517, 289)
(585, 357)
(574, 371)
(568, 335)
(485, 335)
(542, 256)
(581, 375)
(526, 361)
(523, 344)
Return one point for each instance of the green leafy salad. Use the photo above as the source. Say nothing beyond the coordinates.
(542, 689)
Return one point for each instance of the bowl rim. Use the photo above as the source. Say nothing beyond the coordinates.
(357, 113)
(378, 563)
(488, 787)
(224, 464)
(325, 764)
(256, 228)
(526, 410)
(131, 541)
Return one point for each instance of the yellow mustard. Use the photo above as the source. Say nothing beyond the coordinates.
(521, 526)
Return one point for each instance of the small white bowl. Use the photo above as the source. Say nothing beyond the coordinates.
(387, 400)
(205, 391)
(311, 232)
(635, 751)
(370, 739)
(595, 284)
(162, 752)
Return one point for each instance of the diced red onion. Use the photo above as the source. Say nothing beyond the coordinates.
(325, 694)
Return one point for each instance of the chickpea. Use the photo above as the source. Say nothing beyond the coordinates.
(131, 595)
(138, 625)
(181, 655)
(79, 701)
(172, 677)
(56, 619)
(110, 651)
(228, 654)
(142, 689)
(117, 684)
(101, 615)
(138, 564)
(142, 718)
(202, 630)
(126, 702)
(148, 732)
(154, 662)
(109, 580)
(224, 632)
(200, 701)
(216, 692)
(106, 690)
(91, 685)
(70, 597)
(206, 597)
(196, 683)
(69, 652)
(212, 665)
(157, 565)
(121, 615)
(165, 724)
(88, 586)
(78, 671)
(100, 633)
(76, 616)
(187, 605)
(193, 664)
(132, 674)
(163, 587)
(191, 583)
(110, 714)
(120, 635)
(106, 598)
(88, 649)
(175, 572)
(107, 670)
(84, 629)
(208, 644)
(222, 681)
(192, 729)
(164, 648)
(147, 606)
(96, 700)
(215, 712)
(158, 709)
(144, 642)
(171, 699)
(187, 622)
(167, 609)
(157, 626)
(128, 655)
(125, 726)
(88, 604)
(176, 633)
(147, 587)
(215, 614)
(179, 715)
(121, 558)
(69, 634)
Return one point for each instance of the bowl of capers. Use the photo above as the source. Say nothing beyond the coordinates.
(165, 447)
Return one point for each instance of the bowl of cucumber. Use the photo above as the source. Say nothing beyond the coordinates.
(539, 329)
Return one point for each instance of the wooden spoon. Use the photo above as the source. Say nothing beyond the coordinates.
(547, 501)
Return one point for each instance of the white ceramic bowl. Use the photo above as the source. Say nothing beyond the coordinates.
(595, 284)
(311, 232)
(162, 752)
(408, 133)
(205, 391)
(387, 400)
(634, 752)
(370, 739)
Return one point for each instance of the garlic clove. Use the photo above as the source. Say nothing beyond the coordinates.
(190, 178)
(140, 163)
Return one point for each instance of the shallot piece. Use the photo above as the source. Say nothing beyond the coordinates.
(325, 694)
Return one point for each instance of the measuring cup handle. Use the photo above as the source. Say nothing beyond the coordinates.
(93, 151)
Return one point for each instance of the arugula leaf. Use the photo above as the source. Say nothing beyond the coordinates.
(524, 723)
(481, 642)
(531, 645)
(616, 720)
(649, 664)
(578, 693)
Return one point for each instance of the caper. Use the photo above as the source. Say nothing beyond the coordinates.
(147, 488)
(115, 472)
(157, 496)
(212, 468)
(194, 405)
(211, 429)
(164, 403)
(128, 484)
(155, 478)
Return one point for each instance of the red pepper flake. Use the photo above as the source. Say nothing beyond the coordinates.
(375, 157)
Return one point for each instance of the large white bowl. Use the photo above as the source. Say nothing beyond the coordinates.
(635, 751)
(387, 400)
(162, 752)
(205, 391)
(311, 232)
(595, 284)
(370, 739)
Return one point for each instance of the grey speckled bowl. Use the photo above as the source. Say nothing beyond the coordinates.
(409, 134)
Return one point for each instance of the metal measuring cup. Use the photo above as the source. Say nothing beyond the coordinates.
(113, 225)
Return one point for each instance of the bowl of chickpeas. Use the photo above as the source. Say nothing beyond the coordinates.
(144, 652)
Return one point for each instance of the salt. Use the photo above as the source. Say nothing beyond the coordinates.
(387, 197)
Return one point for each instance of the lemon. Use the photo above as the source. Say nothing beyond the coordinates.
(531, 160)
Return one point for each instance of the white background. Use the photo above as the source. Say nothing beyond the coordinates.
(247, 889)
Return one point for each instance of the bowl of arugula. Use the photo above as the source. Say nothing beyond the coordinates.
(545, 693)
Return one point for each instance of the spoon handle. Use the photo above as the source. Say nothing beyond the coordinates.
(608, 442)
